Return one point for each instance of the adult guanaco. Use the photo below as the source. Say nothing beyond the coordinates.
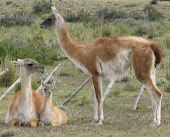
(26, 105)
(111, 57)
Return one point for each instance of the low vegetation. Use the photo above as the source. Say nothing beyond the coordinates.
(21, 37)
(17, 19)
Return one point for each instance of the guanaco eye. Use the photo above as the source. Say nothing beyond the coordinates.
(30, 65)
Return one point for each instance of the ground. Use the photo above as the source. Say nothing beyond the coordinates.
(120, 118)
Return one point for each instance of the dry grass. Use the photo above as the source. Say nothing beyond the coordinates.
(120, 120)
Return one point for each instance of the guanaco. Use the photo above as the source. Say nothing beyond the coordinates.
(111, 57)
(26, 105)
(50, 114)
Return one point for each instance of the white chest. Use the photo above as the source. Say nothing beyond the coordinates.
(46, 116)
(25, 112)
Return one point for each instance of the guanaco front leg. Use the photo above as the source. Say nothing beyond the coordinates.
(40, 123)
(54, 124)
(32, 123)
(14, 122)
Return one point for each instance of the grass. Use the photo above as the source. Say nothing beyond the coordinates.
(120, 120)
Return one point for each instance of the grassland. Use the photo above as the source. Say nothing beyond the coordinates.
(120, 119)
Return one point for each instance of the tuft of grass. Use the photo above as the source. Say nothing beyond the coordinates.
(130, 4)
(8, 78)
(20, 18)
(106, 31)
(131, 87)
(9, 133)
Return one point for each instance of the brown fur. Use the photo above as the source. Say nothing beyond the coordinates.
(17, 112)
(145, 55)
(50, 114)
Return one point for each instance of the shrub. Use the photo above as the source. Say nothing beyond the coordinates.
(167, 88)
(131, 4)
(52, 79)
(138, 15)
(8, 2)
(153, 14)
(35, 48)
(168, 74)
(42, 6)
(161, 81)
(81, 16)
(154, 2)
(111, 14)
(17, 19)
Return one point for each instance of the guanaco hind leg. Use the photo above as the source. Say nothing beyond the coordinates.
(97, 84)
(143, 62)
(32, 123)
(14, 122)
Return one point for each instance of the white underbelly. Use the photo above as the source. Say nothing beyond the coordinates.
(116, 68)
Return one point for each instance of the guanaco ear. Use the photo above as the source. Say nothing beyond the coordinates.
(53, 84)
(18, 62)
(42, 83)
(54, 11)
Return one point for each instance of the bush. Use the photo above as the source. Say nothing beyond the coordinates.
(154, 2)
(161, 81)
(42, 6)
(17, 19)
(111, 14)
(138, 15)
(167, 88)
(35, 48)
(152, 13)
(81, 16)
(8, 2)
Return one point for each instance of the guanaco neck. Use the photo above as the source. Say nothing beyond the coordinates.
(65, 41)
(48, 104)
(26, 88)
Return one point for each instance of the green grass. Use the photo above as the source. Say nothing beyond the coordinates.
(120, 120)
(131, 4)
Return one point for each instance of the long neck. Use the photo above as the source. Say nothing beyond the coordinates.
(65, 41)
(48, 104)
(25, 85)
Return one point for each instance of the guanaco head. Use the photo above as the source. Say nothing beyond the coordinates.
(30, 65)
(48, 88)
(52, 20)
(49, 22)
